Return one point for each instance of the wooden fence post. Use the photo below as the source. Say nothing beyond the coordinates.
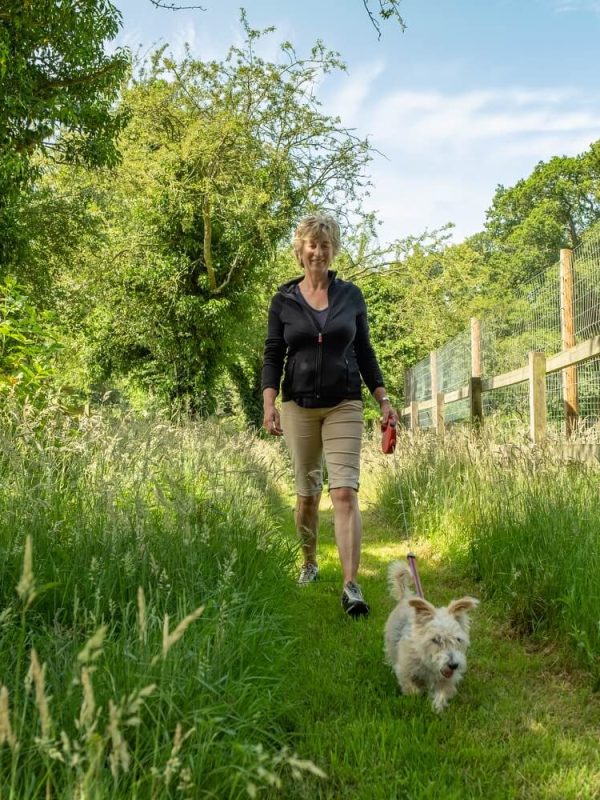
(475, 348)
(407, 386)
(437, 409)
(475, 398)
(567, 330)
(438, 413)
(475, 393)
(537, 396)
(414, 415)
(407, 389)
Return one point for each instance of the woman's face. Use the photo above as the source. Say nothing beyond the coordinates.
(317, 254)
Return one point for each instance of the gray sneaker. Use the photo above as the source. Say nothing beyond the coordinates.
(353, 601)
(308, 574)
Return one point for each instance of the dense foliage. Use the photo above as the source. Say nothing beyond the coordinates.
(218, 159)
(528, 223)
(28, 343)
(57, 89)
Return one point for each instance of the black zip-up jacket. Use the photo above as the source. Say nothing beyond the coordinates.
(322, 367)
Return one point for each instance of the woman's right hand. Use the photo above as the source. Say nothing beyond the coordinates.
(271, 421)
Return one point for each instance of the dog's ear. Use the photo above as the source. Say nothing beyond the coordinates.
(424, 611)
(460, 610)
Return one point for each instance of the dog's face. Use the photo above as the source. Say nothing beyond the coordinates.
(441, 635)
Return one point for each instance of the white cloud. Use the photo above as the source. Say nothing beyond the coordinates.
(563, 6)
(447, 152)
(193, 33)
(545, 147)
(425, 119)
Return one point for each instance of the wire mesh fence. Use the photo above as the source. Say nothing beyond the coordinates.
(532, 323)
(454, 371)
(587, 325)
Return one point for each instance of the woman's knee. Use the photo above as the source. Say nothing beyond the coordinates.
(307, 502)
(344, 496)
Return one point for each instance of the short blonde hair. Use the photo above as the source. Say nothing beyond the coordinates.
(317, 226)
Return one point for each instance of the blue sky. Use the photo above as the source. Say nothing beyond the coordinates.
(472, 95)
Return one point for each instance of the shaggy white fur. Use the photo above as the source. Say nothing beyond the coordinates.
(426, 646)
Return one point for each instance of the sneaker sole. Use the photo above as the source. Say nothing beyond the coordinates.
(307, 583)
(357, 610)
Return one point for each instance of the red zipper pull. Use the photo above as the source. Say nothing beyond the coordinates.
(320, 338)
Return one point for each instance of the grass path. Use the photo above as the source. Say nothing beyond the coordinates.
(523, 725)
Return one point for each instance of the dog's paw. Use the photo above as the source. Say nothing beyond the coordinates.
(410, 688)
(439, 703)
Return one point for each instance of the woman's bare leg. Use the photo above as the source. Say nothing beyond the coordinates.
(348, 530)
(307, 525)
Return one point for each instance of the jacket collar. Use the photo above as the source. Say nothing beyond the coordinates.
(288, 287)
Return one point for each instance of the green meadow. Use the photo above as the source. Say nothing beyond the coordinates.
(153, 642)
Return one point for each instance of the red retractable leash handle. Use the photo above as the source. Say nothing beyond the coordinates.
(388, 439)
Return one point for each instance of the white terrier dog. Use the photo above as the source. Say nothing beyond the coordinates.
(426, 646)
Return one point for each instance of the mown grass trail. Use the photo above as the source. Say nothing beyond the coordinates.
(523, 725)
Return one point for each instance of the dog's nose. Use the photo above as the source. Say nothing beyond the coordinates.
(453, 665)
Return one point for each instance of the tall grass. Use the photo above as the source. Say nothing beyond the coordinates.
(523, 521)
(143, 626)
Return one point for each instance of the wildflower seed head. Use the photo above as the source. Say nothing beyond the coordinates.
(6, 733)
(26, 585)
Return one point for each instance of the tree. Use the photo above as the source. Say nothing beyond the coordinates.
(28, 344)
(57, 90)
(528, 223)
(219, 159)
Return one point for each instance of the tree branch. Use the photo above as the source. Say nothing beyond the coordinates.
(208, 260)
(173, 7)
(220, 288)
(61, 83)
(387, 9)
(391, 268)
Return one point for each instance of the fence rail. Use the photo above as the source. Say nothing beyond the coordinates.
(474, 375)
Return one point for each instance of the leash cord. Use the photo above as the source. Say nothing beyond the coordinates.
(411, 557)
(412, 563)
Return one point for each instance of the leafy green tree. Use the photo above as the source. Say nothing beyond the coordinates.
(57, 90)
(528, 223)
(28, 343)
(219, 160)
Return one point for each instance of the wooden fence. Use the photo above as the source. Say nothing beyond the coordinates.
(539, 365)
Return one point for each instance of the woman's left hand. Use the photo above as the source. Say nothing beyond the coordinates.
(388, 414)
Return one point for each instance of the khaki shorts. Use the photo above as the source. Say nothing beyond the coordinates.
(336, 432)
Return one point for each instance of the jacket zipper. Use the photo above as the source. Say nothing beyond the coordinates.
(319, 362)
(319, 353)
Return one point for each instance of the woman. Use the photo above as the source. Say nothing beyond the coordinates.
(318, 327)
